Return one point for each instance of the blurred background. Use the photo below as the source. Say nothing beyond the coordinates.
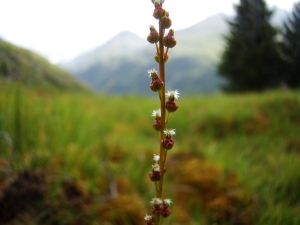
(75, 112)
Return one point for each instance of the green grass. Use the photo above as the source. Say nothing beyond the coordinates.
(94, 141)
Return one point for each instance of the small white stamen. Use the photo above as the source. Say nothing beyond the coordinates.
(170, 132)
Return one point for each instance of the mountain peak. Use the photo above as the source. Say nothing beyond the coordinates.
(210, 23)
(125, 40)
(122, 44)
(125, 34)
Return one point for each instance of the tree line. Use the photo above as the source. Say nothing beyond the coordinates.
(257, 55)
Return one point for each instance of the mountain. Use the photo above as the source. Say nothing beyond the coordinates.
(19, 64)
(125, 43)
(120, 66)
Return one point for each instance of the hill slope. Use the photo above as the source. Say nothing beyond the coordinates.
(19, 64)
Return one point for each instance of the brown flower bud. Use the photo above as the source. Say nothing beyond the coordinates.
(166, 21)
(171, 105)
(157, 209)
(169, 40)
(158, 12)
(156, 84)
(166, 212)
(157, 124)
(153, 36)
(155, 175)
(167, 142)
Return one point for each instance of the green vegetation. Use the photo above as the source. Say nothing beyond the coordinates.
(290, 47)
(251, 60)
(82, 158)
(34, 71)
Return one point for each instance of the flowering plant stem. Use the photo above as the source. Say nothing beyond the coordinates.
(160, 207)
(162, 105)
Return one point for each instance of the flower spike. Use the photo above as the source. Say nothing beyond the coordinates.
(160, 208)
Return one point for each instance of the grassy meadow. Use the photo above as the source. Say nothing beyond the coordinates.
(84, 158)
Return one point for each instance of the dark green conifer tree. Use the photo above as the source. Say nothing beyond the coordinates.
(290, 47)
(251, 60)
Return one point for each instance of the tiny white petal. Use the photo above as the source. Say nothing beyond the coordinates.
(169, 132)
(168, 201)
(152, 71)
(173, 94)
(148, 218)
(156, 113)
(156, 201)
(156, 158)
(156, 167)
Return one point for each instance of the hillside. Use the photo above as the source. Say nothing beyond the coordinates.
(120, 65)
(19, 64)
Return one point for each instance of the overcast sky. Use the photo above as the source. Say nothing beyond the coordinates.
(62, 29)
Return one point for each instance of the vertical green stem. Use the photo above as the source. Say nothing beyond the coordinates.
(162, 103)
